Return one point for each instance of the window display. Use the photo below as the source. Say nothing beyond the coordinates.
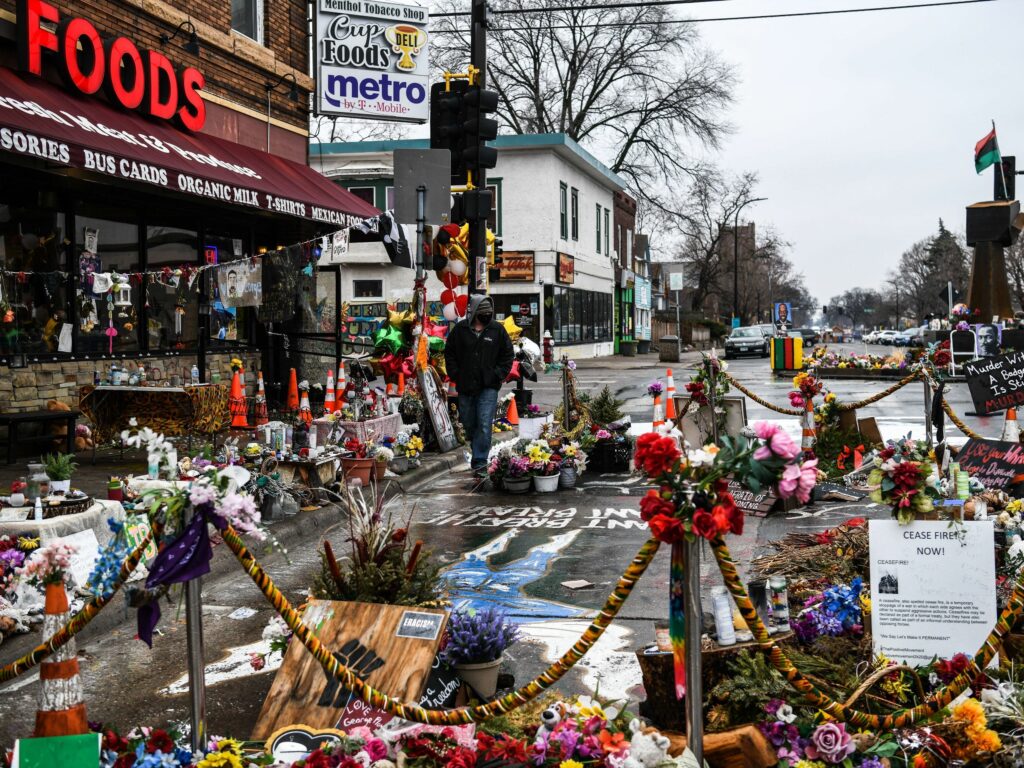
(172, 315)
(109, 295)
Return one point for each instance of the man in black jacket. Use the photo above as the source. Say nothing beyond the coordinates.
(478, 356)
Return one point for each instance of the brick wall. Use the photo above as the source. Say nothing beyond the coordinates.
(29, 389)
(236, 68)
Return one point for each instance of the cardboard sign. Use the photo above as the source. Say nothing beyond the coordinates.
(437, 408)
(996, 383)
(932, 588)
(993, 462)
(81, 751)
(364, 637)
(757, 504)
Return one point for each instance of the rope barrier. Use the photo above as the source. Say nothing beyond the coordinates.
(76, 623)
(958, 422)
(898, 719)
(462, 715)
(761, 401)
(883, 394)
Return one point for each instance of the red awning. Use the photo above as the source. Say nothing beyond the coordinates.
(40, 120)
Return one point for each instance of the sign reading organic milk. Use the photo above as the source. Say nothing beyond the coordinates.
(932, 588)
(371, 60)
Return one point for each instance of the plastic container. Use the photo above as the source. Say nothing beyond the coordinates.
(779, 597)
(722, 608)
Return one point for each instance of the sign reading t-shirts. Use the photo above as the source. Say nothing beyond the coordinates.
(994, 462)
(996, 383)
(371, 60)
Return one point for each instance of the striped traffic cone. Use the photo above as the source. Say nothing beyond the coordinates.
(329, 404)
(305, 412)
(389, 389)
(401, 384)
(659, 413)
(808, 439)
(61, 709)
(292, 403)
(670, 398)
(1011, 432)
(259, 415)
(237, 404)
(341, 386)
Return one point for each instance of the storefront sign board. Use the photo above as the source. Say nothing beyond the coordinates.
(996, 383)
(994, 462)
(372, 60)
(516, 266)
(566, 269)
(932, 588)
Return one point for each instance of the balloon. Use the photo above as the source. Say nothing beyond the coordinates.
(511, 328)
(513, 374)
(400, 320)
(449, 313)
(436, 345)
(447, 297)
(390, 338)
(457, 267)
(461, 303)
(433, 329)
(438, 362)
(450, 279)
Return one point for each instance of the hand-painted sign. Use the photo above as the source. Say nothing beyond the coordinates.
(437, 409)
(372, 60)
(995, 463)
(757, 504)
(996, 383)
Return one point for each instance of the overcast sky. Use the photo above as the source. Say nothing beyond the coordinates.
(862, 127)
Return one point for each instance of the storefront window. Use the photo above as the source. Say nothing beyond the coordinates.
(109, 294)
(172, 316)
(574, 316)
(232, 288)
(33, 304)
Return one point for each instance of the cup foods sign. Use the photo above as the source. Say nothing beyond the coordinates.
(372, 60)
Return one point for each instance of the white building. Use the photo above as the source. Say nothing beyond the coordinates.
(553, 209)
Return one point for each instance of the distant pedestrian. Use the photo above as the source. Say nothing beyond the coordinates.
(478, 356)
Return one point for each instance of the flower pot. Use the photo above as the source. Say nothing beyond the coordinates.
(60, 486)
(357, 469)
(567, 477)
(379, 468)
(400, 465)
(548, 484)
(17, 499)
(517, 484)
(530, 427)
(483, 677)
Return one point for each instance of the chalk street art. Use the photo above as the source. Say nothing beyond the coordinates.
(474, 584)
(608, 518)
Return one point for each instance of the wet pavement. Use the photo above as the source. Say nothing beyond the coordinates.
(514, 552)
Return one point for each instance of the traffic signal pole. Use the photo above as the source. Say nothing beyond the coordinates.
(478, 227)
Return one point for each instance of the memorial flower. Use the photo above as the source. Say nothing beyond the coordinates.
(830, 742)
(48, 565)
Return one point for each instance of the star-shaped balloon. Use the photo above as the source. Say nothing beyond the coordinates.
(436, 345)
(434, 329)
(401, 320)
(389, 338)
(511, 328)
(439, 365)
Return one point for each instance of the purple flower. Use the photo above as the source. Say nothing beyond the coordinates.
(872, 762)
(12, 558)
(655, 388)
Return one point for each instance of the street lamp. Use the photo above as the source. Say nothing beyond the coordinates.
(736, 257)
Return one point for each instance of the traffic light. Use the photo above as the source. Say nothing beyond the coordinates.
(478, 129)
(824, 310)
(447, 124)
(1009, 174)
(477, 204)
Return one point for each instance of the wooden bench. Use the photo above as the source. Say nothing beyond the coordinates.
(14, 420)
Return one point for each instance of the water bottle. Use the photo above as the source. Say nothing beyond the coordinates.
(780, 602)
(195, 375)
(38, 511)
(722, 608)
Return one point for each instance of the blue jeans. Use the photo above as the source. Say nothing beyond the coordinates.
(476, 412)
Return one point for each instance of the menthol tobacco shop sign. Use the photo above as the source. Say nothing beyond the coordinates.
(372, 60)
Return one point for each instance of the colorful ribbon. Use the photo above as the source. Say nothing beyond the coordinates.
(677, 615)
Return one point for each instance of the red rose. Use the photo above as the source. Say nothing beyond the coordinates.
(316, 759)
(704, 524)
(160, 740)
(721, 518)
(462, 758)
(736, 521)
(667, 529)
(659, 457)
(653, 504)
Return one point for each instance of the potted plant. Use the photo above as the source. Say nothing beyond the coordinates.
(544, 466)
(574, 462)
(531, 424)
(475, 643)
(518, 477)
(59, 467)
(357, 465)
(382, 455)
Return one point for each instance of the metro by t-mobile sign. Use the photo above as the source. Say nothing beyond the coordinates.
(136, 78)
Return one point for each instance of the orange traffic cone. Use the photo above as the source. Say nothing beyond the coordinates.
(670, 397)
(259, 415)
(237, 403)
(292, 403)
(401, 383)
(512, 414)
(809, 436)
(329, 404)
(305, 412)
(1011, 431)
(389, 389)
(61, 709)
(659, 413)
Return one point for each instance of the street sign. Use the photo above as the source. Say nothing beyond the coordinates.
(428, 168)
(675, 281)
(996, 383)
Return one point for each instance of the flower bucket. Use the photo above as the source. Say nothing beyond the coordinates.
(517, 484)
(357, 469)
(567, 477)
(60, 486)
(530, 427)
(379, 468)
(548, 484)
(400, 465)
(483, 677)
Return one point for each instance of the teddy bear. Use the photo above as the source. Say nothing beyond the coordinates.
(84, 440)
(647, 750)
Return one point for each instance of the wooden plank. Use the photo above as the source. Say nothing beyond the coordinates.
(392, 647)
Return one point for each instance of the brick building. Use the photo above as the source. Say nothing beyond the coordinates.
(140, 141)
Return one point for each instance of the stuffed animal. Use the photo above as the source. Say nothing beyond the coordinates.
(59, 430)
(83, 438)
(646, 750)
(550, 718)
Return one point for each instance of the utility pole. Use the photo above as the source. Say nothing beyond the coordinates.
(477, 226)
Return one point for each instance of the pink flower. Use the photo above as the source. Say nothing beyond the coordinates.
(777, 442)
(798, 480)
(257, 661)
(830, 742)
(796, 399)
(376, 749)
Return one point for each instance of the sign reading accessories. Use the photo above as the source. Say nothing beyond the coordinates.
(372, 60)
(137, 79)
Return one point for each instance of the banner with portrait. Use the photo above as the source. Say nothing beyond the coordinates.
(240, 283)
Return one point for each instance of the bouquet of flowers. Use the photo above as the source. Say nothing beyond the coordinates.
(655, 388)
(835, 611)
(901, 482)
(409, 445)
(699, 385)
(358, 448)
(572, 455)
(48, 565)
(806, 386)
(543, 461)
(692, 500)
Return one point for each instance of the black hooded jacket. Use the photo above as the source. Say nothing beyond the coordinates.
(477, 362)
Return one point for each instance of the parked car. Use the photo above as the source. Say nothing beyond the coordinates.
(886, 337)
(902, 338)
(746, 340)
(917, 336)
(767, 329)
(870, 337)
(810, 336)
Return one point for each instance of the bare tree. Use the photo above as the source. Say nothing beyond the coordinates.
(1015, 271)
(327, 130)
(632, 84)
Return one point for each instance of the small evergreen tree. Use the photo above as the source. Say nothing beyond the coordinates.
(606, 408)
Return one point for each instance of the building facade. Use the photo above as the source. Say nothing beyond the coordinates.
(554, 209)
(132, 169)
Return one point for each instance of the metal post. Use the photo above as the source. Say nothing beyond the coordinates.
(694, 681)
(421, 225)
(196, 667)
(711, 399)
(927, 410)
(478, 227)
(565, 394)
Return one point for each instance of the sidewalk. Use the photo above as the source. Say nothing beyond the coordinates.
(638, 363)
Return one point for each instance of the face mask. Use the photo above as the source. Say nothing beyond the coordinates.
(485, 319)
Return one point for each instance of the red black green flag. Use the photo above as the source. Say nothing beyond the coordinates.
(986, 151)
